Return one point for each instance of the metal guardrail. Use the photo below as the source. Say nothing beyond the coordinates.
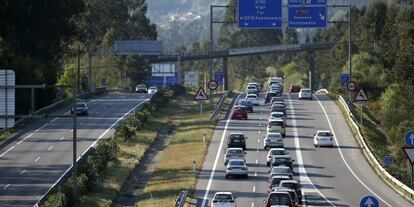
(218, 107)
(180, 201)
(397, 185)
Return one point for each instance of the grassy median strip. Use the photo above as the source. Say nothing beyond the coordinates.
(173, 173)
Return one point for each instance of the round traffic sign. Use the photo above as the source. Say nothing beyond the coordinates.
(409, 138)
(212, 85)
(369, 201)
(351, 86)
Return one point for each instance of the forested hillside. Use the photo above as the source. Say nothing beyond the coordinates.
(40, 41)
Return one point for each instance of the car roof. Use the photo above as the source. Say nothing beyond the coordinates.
(280, 166)
(273, 133)
(277, 149)
(290, 181)
(277, 112)
(280, 176)
(282, 189)
(305, 89)
(235, 148)
(282, 156)
(228, 193)
(236, 133)
(324, 131)
(276, 120)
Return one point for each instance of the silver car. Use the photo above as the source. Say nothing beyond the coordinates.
(81, 108)
(281, 170)
(273, 139)
(237, 167)
(234, 153)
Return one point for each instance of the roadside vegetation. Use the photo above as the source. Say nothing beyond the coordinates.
(102, 173)
(173, 173)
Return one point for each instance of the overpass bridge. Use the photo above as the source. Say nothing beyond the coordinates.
(237, 52)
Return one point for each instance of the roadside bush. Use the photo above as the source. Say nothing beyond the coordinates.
(396, 107)
(57, 199)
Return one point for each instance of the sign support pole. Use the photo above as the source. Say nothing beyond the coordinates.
(201, 111)
(362, 126)
(350, 49)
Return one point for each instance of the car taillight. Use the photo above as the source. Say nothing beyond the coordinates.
(270, 186)
(227, 155)
(269, 156)
(269, 126)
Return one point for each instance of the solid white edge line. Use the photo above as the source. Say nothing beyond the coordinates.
(22, 172)
(300, 158)
(93, 144)
(12, 147)
(37, 159)
(254, 189)
(342, 156)
(210, 180)
(5, 187)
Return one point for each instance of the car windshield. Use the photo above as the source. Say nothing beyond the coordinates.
(277, 115)
(153, 88)
(277, 152)
(276, 123)
(278, 107)
(279, 199)
(276, 181)
(236, 162)
(251, 87)
(80, 105)
(245, 103)
(273, 136)
(324, 134)
(223, 197)
(251, 96)
(305, 91)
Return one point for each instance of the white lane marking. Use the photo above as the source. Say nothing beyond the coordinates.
(259, 132)
(37, 130)
(252, 204)
(210, 180)
(62, 138)
(261, 118)
(302, 170)
(71, 130)
(37, 159)
(93, 144)
(260, 124)
(51, 147)
(257, 161)
(258, 140)
(53, 120)
(342, 156)
(5, 187)
(98, 112)
(12, 147)
(257, 149)
(254, 188)
(22, 172)
(255, 174)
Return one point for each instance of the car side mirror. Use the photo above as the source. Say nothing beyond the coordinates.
(245, 152)
(214, 201)
(293, 160)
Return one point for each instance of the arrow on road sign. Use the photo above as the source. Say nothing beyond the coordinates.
(361, 96)
(409, 138)
(369, 201)
(201, 95)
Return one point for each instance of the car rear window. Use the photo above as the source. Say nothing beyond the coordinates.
(223, 197)
(80, 105)
(279, 199)
(306, 91)
(277, 152)
(236, 162)
(281, 170)
(276, 123)
(288, 185)
(324, 134)
(233, 152)
(251, 96)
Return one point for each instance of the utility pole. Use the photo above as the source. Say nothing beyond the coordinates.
(350, 49)
(74, 140)
(211, 50)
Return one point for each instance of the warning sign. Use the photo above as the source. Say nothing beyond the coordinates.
(201, 95)
(361, 96)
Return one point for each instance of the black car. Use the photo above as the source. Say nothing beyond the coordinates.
(236, 140)
(247, 104)
(285, 160)
(269, 96)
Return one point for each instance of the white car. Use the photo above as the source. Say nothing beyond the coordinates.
(276, 125)
(253, 98)
(237, 167)
(274, 152)
(152, 90)
(277, 115)
(323, 138)
(234, 153)
(272, 140)
(305, 94)
(223, 199)
(251, 89)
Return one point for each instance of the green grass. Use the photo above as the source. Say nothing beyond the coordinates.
(118, 171)
(173, 173)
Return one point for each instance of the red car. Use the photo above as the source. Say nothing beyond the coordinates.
(294, 88)
(239, 112)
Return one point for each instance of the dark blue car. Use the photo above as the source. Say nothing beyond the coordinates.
(247, 104)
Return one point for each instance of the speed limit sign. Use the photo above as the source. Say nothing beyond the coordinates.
(351, 86)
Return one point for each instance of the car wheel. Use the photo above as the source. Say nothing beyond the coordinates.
(246, 176)
(268, 164)
(284, 135)
(226, 176)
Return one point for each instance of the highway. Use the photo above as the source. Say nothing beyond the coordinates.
(32, 162)
(338, 176)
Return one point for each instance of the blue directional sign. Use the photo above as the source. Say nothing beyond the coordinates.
(306, 2)
(369, 201)
(388, 160)
(159, 81)
(307, 17)
(219, 77)
(260, 14)
(409, 138)
(344, 79)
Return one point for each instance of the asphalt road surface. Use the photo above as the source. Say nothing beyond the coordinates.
(338, 176)
(31, 163)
